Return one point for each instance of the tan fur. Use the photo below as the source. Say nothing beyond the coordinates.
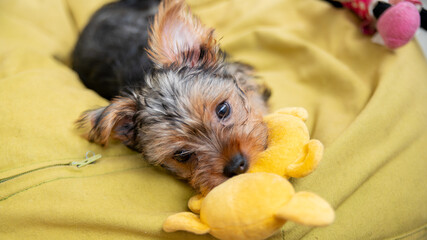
(104, 121)
(175, 109)
(174, 14)
(244, 132)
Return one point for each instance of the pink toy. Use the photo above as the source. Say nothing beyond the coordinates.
(396, 21)
(398, 24)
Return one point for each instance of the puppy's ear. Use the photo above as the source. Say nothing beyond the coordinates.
(114, 121)
(178, 38)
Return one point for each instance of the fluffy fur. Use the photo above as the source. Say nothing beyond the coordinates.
(191, 112)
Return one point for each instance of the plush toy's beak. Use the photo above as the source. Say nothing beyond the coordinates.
(185, 221)
(308, 209)
(195, 203)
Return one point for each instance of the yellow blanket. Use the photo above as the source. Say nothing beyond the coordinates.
(366, 104)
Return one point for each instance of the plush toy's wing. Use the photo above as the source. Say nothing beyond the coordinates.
(308, 209)
(185, 221)
(307, 163)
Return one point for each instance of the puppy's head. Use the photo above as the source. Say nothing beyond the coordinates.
(195, 115)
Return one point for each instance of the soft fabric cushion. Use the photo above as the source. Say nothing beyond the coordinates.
(366, 104)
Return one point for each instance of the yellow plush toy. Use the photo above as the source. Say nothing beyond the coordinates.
(255, 205)
(251, 206)
(290, 151)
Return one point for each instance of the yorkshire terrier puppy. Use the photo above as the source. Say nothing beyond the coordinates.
(180, 103)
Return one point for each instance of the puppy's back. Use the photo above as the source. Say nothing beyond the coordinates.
(110, 52)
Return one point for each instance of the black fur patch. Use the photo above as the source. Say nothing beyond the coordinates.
(110, 53)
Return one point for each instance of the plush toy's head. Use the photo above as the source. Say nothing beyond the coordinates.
(290, 151)
(251, 206)
(398, 24)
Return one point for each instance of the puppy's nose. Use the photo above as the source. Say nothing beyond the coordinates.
(237, 165)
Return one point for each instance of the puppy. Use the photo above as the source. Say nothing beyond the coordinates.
(180, 103)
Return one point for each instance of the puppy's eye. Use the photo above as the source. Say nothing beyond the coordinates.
(223, 110)
(182, 155)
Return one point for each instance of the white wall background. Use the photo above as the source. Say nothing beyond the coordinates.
(422, 34)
